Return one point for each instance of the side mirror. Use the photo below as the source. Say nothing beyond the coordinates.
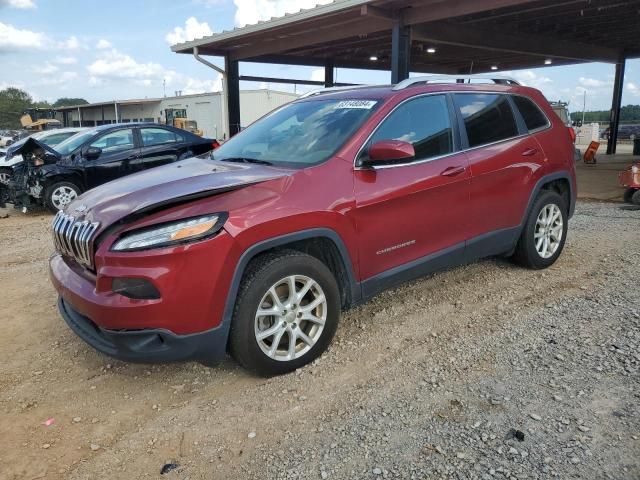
(92, 153)
(390, 151)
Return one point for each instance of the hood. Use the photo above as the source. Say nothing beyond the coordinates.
(31, 144)
(167, 185)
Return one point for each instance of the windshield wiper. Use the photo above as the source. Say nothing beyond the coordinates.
(245, 160)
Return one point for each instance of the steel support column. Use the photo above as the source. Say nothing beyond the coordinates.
(328, 73)
(400, 52)
(233, 95)
(616, 104)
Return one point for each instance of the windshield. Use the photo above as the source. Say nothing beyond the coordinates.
(299, 134)
(70, 144)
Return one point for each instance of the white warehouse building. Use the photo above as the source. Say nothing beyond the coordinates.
(206, 109)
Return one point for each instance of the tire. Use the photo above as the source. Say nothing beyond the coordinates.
(635, 198)
(58, 195)
(628, 194)
(185, 155)
(5, 174)
(271, 273)
(530, 250)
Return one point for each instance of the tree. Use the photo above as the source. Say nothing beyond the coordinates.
(69, 102)
(13, 102)
(628, 114)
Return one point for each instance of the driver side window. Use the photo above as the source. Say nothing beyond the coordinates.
(115, 141)
(424, 122)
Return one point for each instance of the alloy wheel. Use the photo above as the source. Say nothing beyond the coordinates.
(290, 318)
(4, 178)
(62, 196)
(549, 230)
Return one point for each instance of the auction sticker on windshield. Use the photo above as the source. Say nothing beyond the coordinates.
(363, 104)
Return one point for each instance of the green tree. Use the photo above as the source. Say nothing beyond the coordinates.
(69, 102)
(13, 102)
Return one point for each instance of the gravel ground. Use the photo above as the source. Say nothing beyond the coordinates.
(486, 371)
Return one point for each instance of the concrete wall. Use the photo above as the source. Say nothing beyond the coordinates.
(206, 109)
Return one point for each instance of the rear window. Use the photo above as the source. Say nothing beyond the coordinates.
(532, 115)
(487, 118)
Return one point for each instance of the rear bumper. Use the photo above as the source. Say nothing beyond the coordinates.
(148, 345)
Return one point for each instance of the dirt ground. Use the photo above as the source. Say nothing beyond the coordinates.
(485, 371)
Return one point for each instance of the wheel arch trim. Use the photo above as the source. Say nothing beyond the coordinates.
(260, 247)
(538, 187)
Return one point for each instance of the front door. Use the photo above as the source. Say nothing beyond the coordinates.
(415, 212)
(118, 149)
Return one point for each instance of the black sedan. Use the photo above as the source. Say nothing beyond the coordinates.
(102, 154)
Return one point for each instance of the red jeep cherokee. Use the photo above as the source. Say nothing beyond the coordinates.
(318, 206)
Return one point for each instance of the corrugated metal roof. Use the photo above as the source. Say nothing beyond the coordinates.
(274, 22)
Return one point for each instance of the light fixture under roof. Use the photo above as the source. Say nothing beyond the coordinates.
(373, 58)
(431, 50)
(494, 67)
(548, 61)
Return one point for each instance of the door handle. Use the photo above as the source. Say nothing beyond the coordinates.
(452, 171)
(529, 152)
(132, 157)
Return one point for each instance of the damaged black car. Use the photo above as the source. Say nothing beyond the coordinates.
(54, 177)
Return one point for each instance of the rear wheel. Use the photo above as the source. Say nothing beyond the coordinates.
(60, 194)
(544, 234)
(635, 198)
(286, 313)
(628, 193)
(5, 175)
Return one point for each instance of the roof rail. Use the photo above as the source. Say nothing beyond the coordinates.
(322, 91)
(454, 78)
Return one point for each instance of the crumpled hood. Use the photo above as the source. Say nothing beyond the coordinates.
(30, 145)
(166, 185)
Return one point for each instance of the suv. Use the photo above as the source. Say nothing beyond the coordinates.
(318, 206)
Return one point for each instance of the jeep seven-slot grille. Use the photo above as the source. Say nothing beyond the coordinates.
(73, 238)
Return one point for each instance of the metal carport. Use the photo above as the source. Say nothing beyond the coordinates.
(433, 36)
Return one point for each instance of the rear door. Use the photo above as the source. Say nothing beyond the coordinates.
(119, 149)
(159, 147)
(503, 159)
(408, 211)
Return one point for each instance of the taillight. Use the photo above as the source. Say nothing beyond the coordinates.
(572, 134)
(215, 145)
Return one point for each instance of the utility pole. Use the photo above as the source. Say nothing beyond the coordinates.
(584, 106)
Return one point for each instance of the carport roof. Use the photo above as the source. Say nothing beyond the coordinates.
(466, 34)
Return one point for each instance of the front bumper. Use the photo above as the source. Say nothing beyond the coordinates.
(148, 345)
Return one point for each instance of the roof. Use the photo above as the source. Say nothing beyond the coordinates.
(467, 35)
(140, 101)
(383, 92)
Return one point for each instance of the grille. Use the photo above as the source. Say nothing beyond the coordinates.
(73, 238)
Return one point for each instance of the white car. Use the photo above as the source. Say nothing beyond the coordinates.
(48, 137)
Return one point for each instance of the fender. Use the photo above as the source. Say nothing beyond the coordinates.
(563, 175)
(49, 174)
(251, 252)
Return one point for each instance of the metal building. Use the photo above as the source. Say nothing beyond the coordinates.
(205, 108)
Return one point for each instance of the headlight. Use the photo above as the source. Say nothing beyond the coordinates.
(173, 233)
(635, 169)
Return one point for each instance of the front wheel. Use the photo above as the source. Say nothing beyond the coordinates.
(544, 233)
(5, 175)
(60, 194)
(286, 313)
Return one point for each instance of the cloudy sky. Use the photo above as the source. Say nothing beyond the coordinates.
(116, 49)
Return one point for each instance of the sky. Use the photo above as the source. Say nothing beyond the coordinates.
(111, 50)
